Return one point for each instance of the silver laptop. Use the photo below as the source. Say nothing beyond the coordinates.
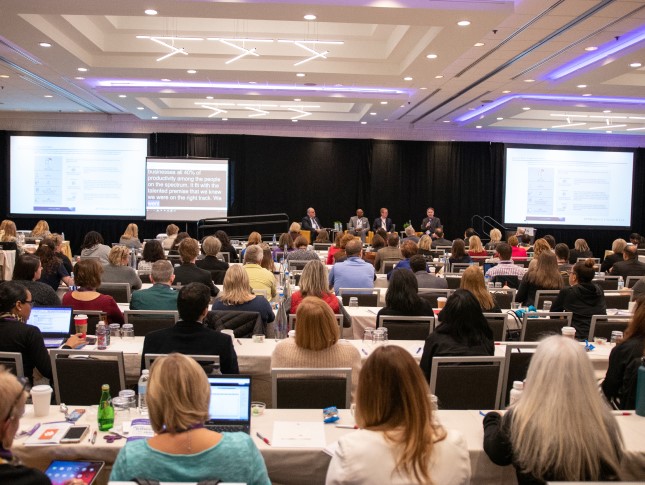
(54, 324)
(230, 406)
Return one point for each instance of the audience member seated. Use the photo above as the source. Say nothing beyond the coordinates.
(317, 342)
(472, 279)
(189, 335)
(174, 250)
(227, 247)
(334, 248)
(505, 266)
(259, 277)
(402, 297)
(495, 238)
(550, 240)
(439, 239)
(539, 246)
(211, 247)
(27, 272)
(476, 249)
(377, 243)
(458, 252)
(390, 252)
(160, 296)
(637, 240)
(40, 230)
(617, 248)
(581, 250)
(93, 246)
(462, 331)
(267, 257)
(254, 238)
(638, 289)
(322, 237)
(408, 249)
(236, 296)
(630, 266)
(583, 298)
(525, 242)
(152, 252)
(619, 385)
(294, 230)
(171, 234)
(8, 232)
(88, 278)
(399, 441)
(354, 272)
(278, 251)
(424, 279)
(18, 336)
(182, 450)
(469, 232)
(561, 429)
(341, 255)
(187, 271)
(118, 270)
(53, 271)
(130, 237)
(302, 253)
(562, 257)
(425, 245)
(518, 253)
(545, 276)
(314, 282)
(57, 242)
(411, 235)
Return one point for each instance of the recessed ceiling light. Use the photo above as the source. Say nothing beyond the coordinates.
(438, 76)
(529, 80)
(209, 97)
(478, 126)
(300, 74)
(479, 44)
(294, 121)
(587, 94)
(635, 64)
(297, 99)
(526, 108)
(165, 80)
(122, 96)
(383, 102)
(252, 82)
(608, 131)
(423, 88)
(607, 111)
(591, 48)
(363, 122)
(431, 56)
(402, 106)
(45, 44)
(310, 16)
(446, 121)
(506, 91)
(155, 117)
(80, 78)
(386, 119)
(150, 11)
(4, 76)
(463, 23)
(544, 129)
(372, 113)
(224, 119)
(48, 96)
(582, 86)
(82, 69)
(500, 119)
(139, 107)
(191, 71)
(407, 78)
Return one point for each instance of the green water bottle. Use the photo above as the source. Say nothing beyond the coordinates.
(106, 411)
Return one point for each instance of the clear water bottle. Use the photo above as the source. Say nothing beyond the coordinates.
(273, 241)
(516, 392)
(640, 389)
(101, 336)
(621, 283)
(143, 389)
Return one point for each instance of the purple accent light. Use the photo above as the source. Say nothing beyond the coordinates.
(556, 98)
(606, 50)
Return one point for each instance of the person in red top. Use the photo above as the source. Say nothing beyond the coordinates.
(476, 248)
(518, 252)
(314, 282)
(87, 273)
(334, 248)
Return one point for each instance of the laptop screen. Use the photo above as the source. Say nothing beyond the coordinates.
(230, 399)
(54, 321)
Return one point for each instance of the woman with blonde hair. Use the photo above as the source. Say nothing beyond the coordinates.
(317, 342)
(40, 230)
(495, 238)
(544, 276)
(475, 248)
(399, 441)
(561, 429)
(118, 269)
(294, 230)
(539, 246)
(425, 245)
(472, 279)
(322, 237)
(182, 449)
(284, 240)
(130, 237)
(617, 248)
(580, 250)
(8, 231)
(315, 282)
(171, 234)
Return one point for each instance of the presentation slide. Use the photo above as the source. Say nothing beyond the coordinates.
(186, 189)
(566, 187)
(77, 176)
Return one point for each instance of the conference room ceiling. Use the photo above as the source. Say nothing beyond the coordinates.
(397, 62)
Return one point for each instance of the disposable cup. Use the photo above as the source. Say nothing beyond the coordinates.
(80, 324)
(41, 398)
(441, 302)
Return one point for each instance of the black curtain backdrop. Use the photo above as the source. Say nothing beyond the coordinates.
(336, 176)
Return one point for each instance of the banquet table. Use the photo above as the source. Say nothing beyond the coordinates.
(309, 465)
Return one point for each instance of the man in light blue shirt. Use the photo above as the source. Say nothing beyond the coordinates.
(353, 272)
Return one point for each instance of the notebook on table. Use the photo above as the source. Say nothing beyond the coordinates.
(53, 322)
(230, 406)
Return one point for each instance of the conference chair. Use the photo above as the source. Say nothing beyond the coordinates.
(617, 299)
(244, 324)
(479, 382)
(389, 264)
(401, 327)
(217, 275)
(453, 280)
(322, 246)
(504, 297)
(9, 246)
(79, 375)
(510, 280)
(536, 326)
(119, 291)
(516, 364)
(93, 318)
(297, 265)
(339, 318)
(631, 281)
(210, 363)
(596, 262)
(309, 388)
(226, 257)
(258, 292)
(603, 325)
(497, 323)
(365, 296)
(431, 294)
(545, 295)
(12, 361)
(145, 278)
(146, 321)
(460, 267)
(607, 283)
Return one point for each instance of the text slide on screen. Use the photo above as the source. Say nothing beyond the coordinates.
(568, 187)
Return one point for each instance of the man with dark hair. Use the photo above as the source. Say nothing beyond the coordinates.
(160, 296)
(391, 251)
(189, 336)
(425, 280)
(550, 239)
(562, 255)
(408, 249)
(438, 238)
(353, 272)
(506, 266)
(469, 232)
(630, 266)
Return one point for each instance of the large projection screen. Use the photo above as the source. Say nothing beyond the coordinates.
(77, 175)
(180, 189)
(568, 187)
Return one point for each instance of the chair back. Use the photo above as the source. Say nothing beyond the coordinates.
(516, 364)
(339, 318)
(226, 257)
(389, 264)
(479, 382)
(119, 291)
(504, 297)
(322, 246)
(12, 361)
(607, 283)
(9, 246)
(545, 295)
(145, 277)
(260, 292)
(510, 280)
(497, 323)
(243, 324)
(631, 281)
(297, 265)
(536, 326)
(431, 294)
(93, 318)
(210, 363)
(617, 300)
(603, 325)
(454, 281)
(365, 296)
(407, 327)
(459, 267)
(146, 321)
(308, 388)
(79, 375)
(217, 275)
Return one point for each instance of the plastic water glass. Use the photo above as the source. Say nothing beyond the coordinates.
(353, 301)
(546, 306)
(121, 410)
(127, 331)
(368, 336)
(616, 335)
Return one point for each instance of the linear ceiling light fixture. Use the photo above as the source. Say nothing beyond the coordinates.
(244, 51)
(301, 115)
(173, 50)
(258, 112)
(316, 54)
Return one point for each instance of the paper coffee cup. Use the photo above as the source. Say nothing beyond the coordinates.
(441, 302)
(569, 332)
(41, 397)
(80, 324)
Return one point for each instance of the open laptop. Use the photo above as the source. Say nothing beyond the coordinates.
(230, 406)
(54, 323)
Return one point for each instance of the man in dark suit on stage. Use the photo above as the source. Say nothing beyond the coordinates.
(430, 223)
(359, 225)
(311, 223)
(382, 222)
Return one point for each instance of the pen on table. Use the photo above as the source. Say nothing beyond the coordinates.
(418, 350)
(621, 413)
(94, 436)
(482, 413)
(266, 440)
(364, 351)
(238, 341)
(347, 426)
(372, 311)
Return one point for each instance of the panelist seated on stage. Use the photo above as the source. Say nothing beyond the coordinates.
(630, 266)
(353, 272)
(358, 225)
(119, 270)
(391, 251)
(211, 246)
(189, 335)
(419, 267)
(382, 222)
(259, 277)
(438, 238)
(188, 272)
(311, 223)
(430, 223)
(160, 296)
(301, 252)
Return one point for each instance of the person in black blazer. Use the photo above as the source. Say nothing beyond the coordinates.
(430, 223)
(384, 219)
(189, 335)
(188, 272)
(630, 266)
(311, 223)
(211, 246)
